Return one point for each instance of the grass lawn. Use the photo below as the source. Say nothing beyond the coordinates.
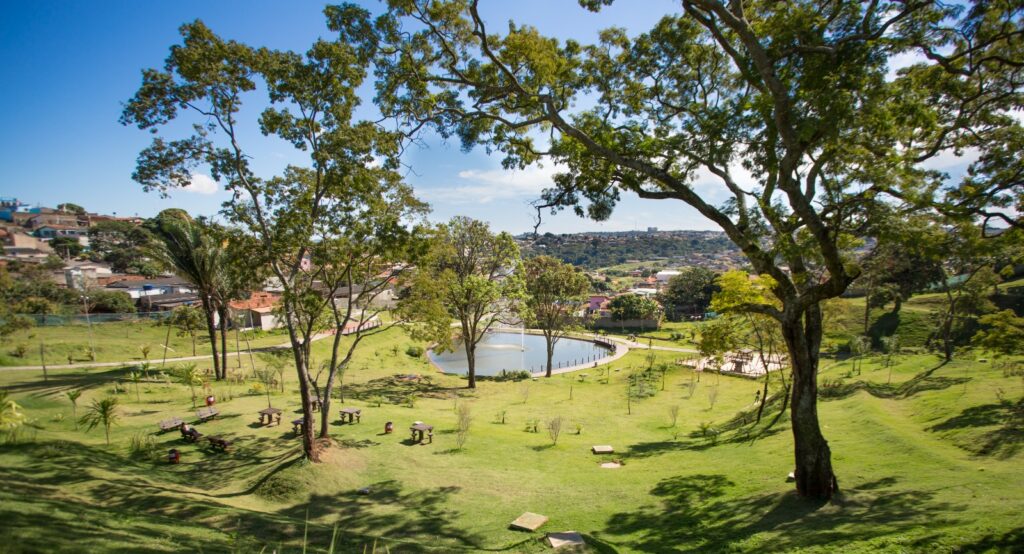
(115, 342)
(929, 462)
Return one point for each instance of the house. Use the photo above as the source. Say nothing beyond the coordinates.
(149, 287)
(54, 218)
(664, 275)
(85, 275)
(14, 236)
(167, 302)
(256, 312)
(25, 254)
(51, 231)
(10, 206)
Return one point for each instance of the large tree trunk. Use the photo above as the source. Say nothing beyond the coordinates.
(300, 352)
(325, 402)
(814, 476)
(471, 364)
(222, 312)
(550, 344)
(211, 328)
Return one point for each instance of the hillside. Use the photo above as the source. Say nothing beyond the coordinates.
(710, 249)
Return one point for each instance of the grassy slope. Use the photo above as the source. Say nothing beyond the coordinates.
(907, 454)
(114, 342)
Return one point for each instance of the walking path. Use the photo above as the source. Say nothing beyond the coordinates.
(85, 365)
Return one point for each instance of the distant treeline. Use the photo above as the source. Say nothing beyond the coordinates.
(596, 251)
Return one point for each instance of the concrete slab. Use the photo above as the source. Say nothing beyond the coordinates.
(602, 449)
(529, 521)
(611, 465)
(565, 538)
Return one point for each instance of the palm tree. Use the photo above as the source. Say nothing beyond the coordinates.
(191, 250)
(73, 395)
(11, 418)
(135, 377)
(190, 375)
(102, 412)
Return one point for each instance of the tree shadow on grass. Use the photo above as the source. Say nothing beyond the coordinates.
(922, 382)
(387, 509)
(697, 514)
(1002, 442)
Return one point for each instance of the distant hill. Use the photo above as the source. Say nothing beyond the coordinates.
(602, 249)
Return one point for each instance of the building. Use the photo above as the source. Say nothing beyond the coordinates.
(85, 275)
(52, 231)
(257, 311)
(664, 275)
(150, 287)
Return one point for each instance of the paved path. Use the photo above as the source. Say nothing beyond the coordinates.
(84, 365)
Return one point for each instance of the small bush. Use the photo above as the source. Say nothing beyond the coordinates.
(554, 426)
(19, 351)
(415, 351)
(464, 420)
(143, 446)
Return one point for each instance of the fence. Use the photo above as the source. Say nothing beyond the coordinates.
(54, 320)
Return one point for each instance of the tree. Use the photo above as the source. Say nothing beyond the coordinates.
(969, 277)
(688, 293)
(1002, 333)
(110, 302)
(190, 376)
(102, 412)
(188, 320)
(123, 245)
(191, 250)
(347, 209)
(799, 93)
(68, 207)
(136, 378)
(67, 247)
(472, 276)
(629, 307)
(555, 294)
(11, 418)
(73, 395)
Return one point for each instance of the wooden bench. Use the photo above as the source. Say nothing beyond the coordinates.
(205, 414)
(192, 435)
(219, 443)
(168, 424)
(297, 425)
(418, 431)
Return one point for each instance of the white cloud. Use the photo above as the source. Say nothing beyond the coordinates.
(486, 186)
(201, 184)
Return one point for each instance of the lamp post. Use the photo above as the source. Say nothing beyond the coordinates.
(80, 277)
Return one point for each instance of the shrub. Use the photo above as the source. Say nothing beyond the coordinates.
(20, 351)
(462, 430)
(280, 486)
(415, 351)
(554, 426)
(143, 446)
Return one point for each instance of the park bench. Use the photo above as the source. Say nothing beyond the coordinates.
(168, 424)
(297, 425)
(205, 414)
(191, 435)
(219, 443)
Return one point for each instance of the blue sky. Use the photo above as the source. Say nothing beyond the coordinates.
(68, 66)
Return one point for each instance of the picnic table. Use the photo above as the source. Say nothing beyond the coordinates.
(168, 424)
(418, 430)
(269, 415)
(352, 414)
(219, 443)
(297, 425)
(206, 413)
(316, 404)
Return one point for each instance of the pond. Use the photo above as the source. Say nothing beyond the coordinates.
(512, 351)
